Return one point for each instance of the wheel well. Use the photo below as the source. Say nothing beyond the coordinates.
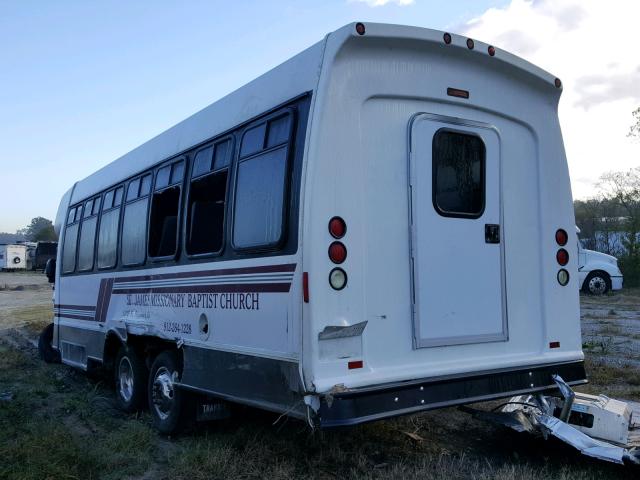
(146, 347)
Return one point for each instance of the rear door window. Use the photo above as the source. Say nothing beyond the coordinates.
(458, 174)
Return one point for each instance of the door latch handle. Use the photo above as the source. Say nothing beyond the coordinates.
(491, 233)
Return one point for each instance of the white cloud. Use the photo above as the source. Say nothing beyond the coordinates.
(381, 3)
(591, 46)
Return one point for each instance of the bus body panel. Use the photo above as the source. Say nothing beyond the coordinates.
(288, 342)
(357, 169)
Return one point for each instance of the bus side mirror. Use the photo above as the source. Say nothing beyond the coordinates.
(50, 270)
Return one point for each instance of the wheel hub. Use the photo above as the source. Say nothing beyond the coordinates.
(597, 285)
(163, 392)
(125, 379)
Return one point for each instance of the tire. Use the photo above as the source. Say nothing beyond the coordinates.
(45, 348)
(130, 377)
(597, 283)
(170, 406)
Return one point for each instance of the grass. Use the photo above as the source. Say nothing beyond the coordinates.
(61, 424)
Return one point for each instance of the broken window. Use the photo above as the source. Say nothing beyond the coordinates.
(165, 204)
(207, 198)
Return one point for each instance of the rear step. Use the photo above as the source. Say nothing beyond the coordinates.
(598, 426)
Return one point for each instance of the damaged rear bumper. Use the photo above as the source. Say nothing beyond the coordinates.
(384, 401)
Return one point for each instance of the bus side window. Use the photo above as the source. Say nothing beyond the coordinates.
(108, 233)
(261, 184)
(134, 224)
(71, 240)
(165, 204)
(87, 242)
(207, 197)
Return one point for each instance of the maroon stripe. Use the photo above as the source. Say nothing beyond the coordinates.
(100, 301)
(76, 317)
(288, 267)
(107, 300)
(76, 307)
(222, 288)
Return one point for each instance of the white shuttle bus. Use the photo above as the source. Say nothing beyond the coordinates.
(381, 225)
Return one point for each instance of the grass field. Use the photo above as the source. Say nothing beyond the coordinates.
(58, 423)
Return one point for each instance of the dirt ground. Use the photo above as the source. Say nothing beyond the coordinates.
(56, 422)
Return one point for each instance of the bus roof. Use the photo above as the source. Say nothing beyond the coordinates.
(294, 77)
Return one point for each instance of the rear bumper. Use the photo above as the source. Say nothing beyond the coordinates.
(385, 401)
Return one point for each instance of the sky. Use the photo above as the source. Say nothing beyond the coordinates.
(82, 83)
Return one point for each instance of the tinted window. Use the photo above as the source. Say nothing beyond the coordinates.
(223, 155)
(88, 207)
(162, 179)
(145, 185)
(252, 140)
(202, 161)
(87, 243)
(260, 199)
(278, 131)
(134, 232)
(134, 188)
(117, 198)
(108, 200)
(177, 172)
(458, 174)
(108, 238)
(69, 249)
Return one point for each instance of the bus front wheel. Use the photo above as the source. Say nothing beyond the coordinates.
(131, 380)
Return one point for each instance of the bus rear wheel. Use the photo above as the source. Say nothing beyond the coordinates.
(169, 405)
(131, 380)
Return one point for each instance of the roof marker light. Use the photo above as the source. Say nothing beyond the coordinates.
(447, 38)
(491, 50)
(557, 83)
(457, 92)
(470, 44)
(360, 28)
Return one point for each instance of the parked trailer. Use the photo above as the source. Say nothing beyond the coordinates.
(381, 225)
(13, 257)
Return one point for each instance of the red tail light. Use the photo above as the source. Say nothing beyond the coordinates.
(337, 252)
(305, 287)
(337, 227)
(562, 257)
(561, 237)
(355, 364)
